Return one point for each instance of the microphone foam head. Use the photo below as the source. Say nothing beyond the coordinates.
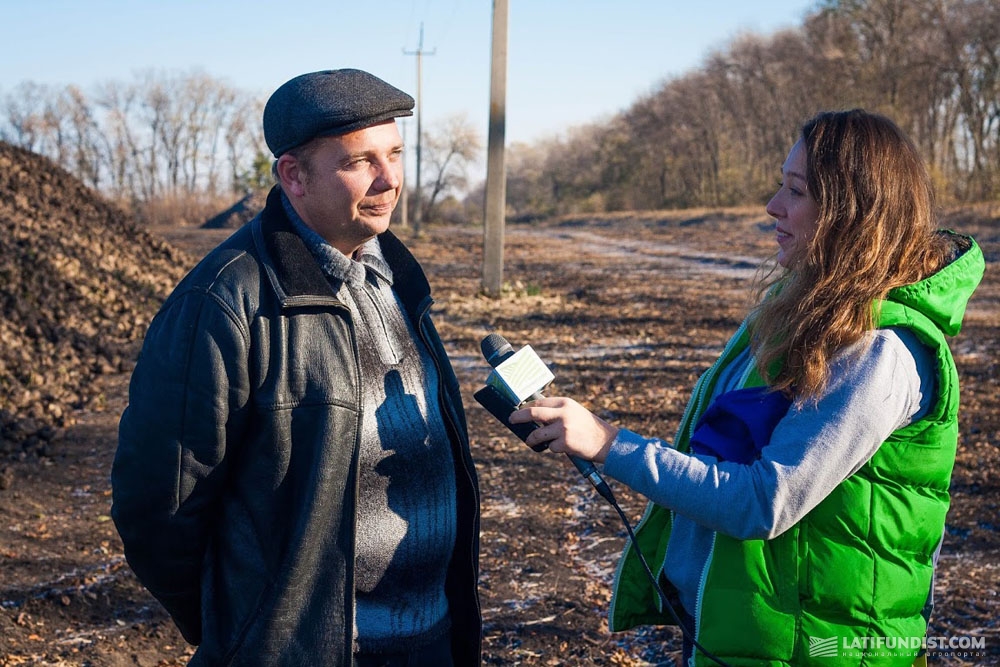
(495, 348)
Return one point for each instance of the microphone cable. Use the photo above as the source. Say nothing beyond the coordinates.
(605, 491)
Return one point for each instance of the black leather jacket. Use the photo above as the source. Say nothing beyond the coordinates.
(235, 480)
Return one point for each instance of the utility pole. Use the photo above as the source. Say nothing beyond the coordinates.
(419, 53)
(496, 177)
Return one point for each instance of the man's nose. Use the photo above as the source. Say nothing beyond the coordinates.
(389, 176)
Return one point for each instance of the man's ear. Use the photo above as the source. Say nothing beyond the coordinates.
(291, 175)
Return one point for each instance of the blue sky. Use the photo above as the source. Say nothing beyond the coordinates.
(569, 62)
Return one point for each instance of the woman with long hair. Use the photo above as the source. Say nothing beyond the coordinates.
(804, 495)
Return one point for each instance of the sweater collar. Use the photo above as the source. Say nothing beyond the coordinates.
(295, 273)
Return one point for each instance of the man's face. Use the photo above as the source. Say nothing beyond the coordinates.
(346, 187)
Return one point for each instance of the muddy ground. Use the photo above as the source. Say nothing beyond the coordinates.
(628, 311)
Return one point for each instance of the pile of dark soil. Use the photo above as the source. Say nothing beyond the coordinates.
(239, 213)
(78, 285)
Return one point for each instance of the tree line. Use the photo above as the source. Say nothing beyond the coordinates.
(174, 145)
(714, 136)
(717, 135)
(158, 138)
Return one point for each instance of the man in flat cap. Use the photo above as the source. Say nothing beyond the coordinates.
(293, 479)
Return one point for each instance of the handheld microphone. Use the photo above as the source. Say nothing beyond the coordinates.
(517, 377)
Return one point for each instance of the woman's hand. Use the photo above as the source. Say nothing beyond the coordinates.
(567, 427)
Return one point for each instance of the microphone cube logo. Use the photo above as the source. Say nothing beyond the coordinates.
(520, 375)
(823, 647)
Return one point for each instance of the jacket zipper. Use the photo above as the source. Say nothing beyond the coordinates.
(311, 301)
(356, 459)
(701, 596)
(697, 399)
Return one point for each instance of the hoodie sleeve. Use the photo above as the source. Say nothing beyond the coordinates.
(874, 389)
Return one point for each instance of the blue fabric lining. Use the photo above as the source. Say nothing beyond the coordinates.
(738, 424)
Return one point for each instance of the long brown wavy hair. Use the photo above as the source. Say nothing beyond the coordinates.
(876, 231)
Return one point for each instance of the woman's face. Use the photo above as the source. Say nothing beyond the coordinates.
(793, 209)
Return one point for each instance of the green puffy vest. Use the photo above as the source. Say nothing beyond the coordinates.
(848, 583)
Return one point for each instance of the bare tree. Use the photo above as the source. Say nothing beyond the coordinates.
(130, 178)
(206, 106)
(24, 110)
(90, 158)
(526, 195)
(450, 148)
(978, 96)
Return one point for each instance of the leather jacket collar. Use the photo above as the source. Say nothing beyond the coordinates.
(296, 277)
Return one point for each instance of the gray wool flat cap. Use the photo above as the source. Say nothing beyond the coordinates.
(330, 102)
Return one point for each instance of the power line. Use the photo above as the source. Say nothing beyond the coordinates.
(419, 53)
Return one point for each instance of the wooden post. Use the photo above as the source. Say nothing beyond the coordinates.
(496, 177)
